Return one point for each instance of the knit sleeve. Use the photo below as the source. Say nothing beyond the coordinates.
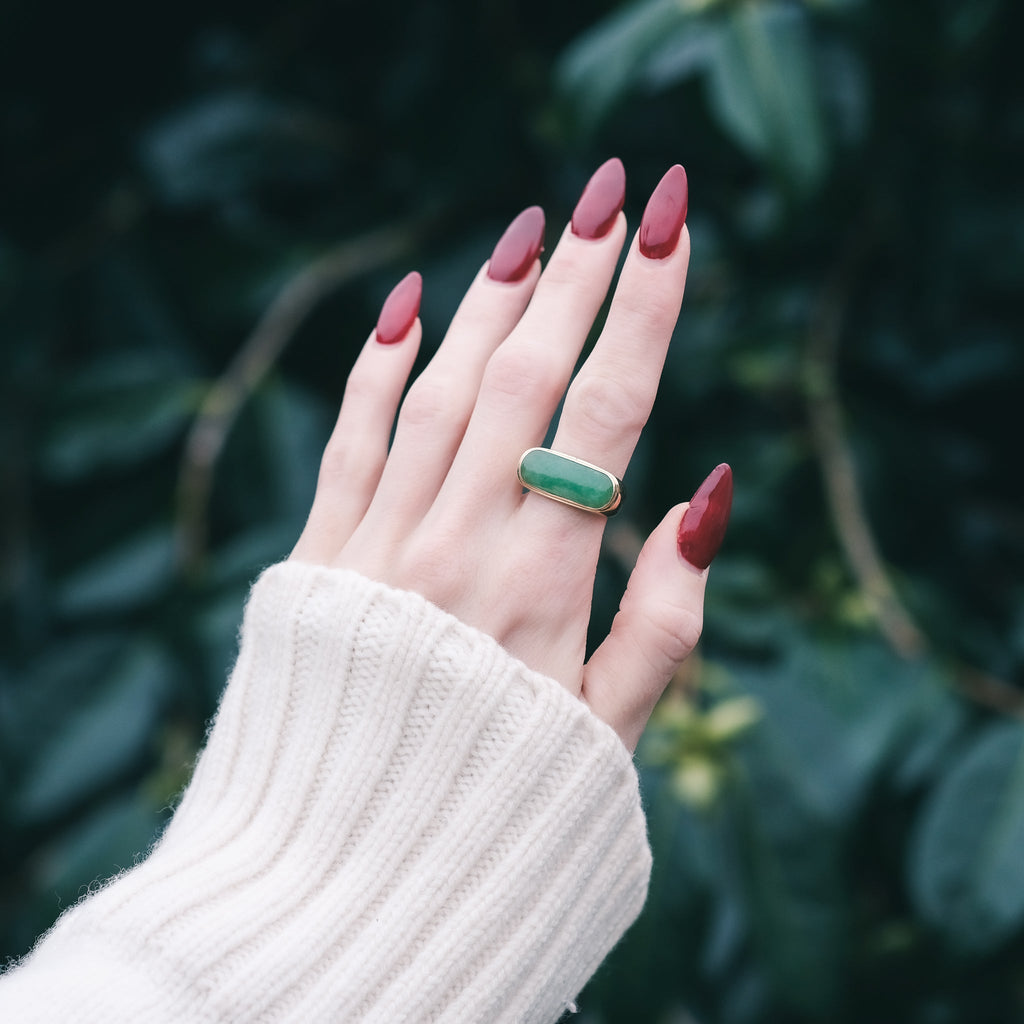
(392, 820)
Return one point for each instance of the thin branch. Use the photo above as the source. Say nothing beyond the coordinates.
(988, 691)
(838, 468)
(284, 316)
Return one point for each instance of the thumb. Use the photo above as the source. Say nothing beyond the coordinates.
(662, 612)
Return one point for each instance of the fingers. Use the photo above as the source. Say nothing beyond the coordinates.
(435, 514)
(526, 378)
(354, 458)
(661, 615)
(611, 398)
(434, 414)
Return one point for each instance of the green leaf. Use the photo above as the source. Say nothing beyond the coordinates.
(934, 721)
(131, 313)
(122, 579)
(119, 412)
(763, 90)
(836, 716)
(839, 714)
(90, 742)
(226, 144)
(601, 65)
(789, 850)
(966, 862)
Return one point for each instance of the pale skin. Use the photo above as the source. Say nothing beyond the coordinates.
(441, 513)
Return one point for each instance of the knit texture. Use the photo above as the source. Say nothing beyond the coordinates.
(392, 820)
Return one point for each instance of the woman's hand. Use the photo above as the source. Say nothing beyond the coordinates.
(443, 514)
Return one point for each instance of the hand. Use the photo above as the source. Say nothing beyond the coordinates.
(442, 512)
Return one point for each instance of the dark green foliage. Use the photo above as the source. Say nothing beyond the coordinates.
(837, 813)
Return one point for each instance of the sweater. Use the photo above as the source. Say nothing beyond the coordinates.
(392, 819)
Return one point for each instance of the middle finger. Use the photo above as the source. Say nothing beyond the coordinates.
(526, 378)
(609, 401)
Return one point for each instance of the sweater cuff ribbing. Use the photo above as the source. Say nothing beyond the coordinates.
(393, 819)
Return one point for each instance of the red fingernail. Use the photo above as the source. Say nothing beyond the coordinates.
(702, 527)
(665, 215)
(518, 247)
(601, 201)
(400, 309)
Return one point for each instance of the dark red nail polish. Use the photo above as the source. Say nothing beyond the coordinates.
(665, 215)
(518, 247)
(702, 527)
(601, 201)
(400, 309)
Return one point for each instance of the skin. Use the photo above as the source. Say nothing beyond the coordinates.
(442, 513)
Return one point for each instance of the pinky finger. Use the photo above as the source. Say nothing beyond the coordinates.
(354, 458)
(662, 612)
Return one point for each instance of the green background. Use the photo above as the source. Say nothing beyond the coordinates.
(202, 207)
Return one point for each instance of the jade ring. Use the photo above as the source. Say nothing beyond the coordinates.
(570, 481)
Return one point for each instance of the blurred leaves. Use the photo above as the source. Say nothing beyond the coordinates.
(125, 577)
(111, 694)
(604, 63)
(762, 87)
(757, 59)
(226, 147)
(695, 744)
(119, 411)
(835, 717)
(966, 867)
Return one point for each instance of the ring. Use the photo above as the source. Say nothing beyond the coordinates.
(570, 481)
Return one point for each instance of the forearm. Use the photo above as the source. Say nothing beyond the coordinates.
(393, 820)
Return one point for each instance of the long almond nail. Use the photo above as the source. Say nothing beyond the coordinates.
(665, 215)
(601, 201)
(400, 309)
(518, 247)
(702, 528)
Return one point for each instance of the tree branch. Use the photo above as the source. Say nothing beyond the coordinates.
(264, 346)
(849, 515)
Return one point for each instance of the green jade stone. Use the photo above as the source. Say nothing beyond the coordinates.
(561, 477)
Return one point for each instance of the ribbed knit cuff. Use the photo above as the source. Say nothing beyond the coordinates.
(393, 820)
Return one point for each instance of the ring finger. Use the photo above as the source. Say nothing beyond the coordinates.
(611, 397)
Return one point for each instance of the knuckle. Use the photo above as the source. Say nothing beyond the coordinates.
(673, 633)
(334, 461)
(650, 312)
(520, 372)
(428, 402)
(357, 465)
(362, 386)
(606, 402)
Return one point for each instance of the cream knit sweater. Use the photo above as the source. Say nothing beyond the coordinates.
(392, 820)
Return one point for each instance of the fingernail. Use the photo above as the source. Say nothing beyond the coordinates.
(702, 528)
(601, 201)
(518, 247)
(665, 215)
(400, 309)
